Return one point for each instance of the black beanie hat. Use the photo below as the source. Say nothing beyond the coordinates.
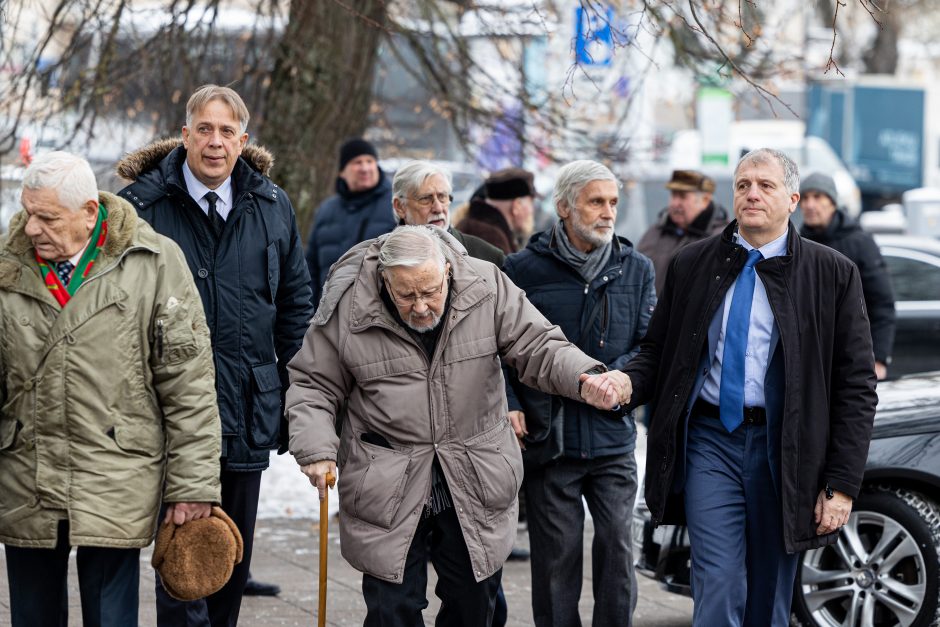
(354, 148)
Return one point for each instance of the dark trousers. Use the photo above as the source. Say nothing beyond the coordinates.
(464, 602)
(556, 529)
(741, 573)
(108, 582)
(240, 501)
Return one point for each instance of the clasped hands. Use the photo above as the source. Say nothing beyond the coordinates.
(606, 390)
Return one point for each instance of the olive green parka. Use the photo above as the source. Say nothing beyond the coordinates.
(107, 406)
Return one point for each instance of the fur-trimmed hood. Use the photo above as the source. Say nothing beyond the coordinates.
(123, 227)
(136, 163)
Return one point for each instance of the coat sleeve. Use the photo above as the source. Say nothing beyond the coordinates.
(294, 303)
(853, 398)
(879, 298)
(509, 374)
(643, 368)
(645, 310)
(535, 347)
(319, 387)
(184, 381)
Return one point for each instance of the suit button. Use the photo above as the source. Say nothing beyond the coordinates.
(202, 273)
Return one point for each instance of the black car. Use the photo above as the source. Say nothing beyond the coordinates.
(885, 569)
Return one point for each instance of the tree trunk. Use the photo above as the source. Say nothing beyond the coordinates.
(882, 57)
(320, 94)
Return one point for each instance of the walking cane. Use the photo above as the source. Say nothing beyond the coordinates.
(324, 523)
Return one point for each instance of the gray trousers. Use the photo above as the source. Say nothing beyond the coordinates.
(556, 531)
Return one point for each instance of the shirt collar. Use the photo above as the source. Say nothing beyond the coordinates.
(775, 248)
(197, 190)
(74, 259)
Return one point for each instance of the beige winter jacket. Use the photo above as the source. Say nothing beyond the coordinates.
(103, 401)
(358, 364)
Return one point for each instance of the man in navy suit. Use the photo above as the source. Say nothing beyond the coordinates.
(759, 362)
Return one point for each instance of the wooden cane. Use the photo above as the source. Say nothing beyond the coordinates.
(324, 524)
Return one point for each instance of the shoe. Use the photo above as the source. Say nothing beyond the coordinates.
(255, 588)
(518, 554)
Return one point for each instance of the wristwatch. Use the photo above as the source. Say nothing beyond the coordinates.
(829, 492)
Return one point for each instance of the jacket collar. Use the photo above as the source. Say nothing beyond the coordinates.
(728, 247)
(124, 233)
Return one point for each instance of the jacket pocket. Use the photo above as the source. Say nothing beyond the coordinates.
(497, 465)
(265, 406)
(8, 430)
(139, 438)
(274, 270)
(373, 482)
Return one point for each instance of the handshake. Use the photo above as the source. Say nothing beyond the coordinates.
(607, 390)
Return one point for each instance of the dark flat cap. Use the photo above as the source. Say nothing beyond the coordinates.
(196, 559)
(510, 183)
(690, 181)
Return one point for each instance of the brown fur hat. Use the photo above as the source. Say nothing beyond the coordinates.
(196, 558)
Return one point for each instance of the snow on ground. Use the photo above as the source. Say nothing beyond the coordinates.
(286, 492)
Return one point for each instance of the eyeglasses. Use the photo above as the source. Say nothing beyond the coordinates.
(411, 301)
(428, 199)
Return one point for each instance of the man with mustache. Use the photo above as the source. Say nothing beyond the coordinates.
(601, 292)
(404, 352)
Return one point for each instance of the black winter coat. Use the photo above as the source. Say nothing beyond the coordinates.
(613, 311)
(845, 235)
(342, 221)
(828, 394)
(254, 287)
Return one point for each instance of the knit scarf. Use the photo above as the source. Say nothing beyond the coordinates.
(64, 293)
(588, 265)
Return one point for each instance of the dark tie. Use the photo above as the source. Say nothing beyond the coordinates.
(64, 270)
(215, 218)
(731, 392)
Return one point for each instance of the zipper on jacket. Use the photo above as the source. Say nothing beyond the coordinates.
(604, 321)
(160, 335)
(587, 286)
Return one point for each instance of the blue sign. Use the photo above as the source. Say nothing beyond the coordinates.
(594, 35)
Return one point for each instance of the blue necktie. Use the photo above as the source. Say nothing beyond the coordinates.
(64, 270)
(731, 392)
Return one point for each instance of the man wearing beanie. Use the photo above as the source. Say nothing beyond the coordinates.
(691, 216)
(825, 223)
(360, 210)
(505, 217)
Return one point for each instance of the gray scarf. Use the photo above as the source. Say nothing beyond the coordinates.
(588, 265)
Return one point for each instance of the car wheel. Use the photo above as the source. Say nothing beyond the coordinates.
(883, 571)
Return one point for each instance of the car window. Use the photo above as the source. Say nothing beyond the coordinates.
(913, 279)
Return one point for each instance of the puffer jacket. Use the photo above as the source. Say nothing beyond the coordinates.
(253, 283)
(359, 364)
(618, 304)
(342, 221)
(108, 404)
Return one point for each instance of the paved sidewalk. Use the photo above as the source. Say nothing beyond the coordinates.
(286, 553)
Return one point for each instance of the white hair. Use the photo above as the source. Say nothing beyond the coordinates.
(69, 175)
(409, 178)
(411, 246)
(791, 173)
(575, 176)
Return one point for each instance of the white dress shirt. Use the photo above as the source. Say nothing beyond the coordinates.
(198, 191)
(760, 329)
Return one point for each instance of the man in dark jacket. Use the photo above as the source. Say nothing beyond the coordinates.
(238, 232)
(360, 210)
(759, 361)
(421, 194)
(601, 293)
(823, 222)
(691, 216)
(506, 215)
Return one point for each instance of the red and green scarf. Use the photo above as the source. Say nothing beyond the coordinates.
(64, 293)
